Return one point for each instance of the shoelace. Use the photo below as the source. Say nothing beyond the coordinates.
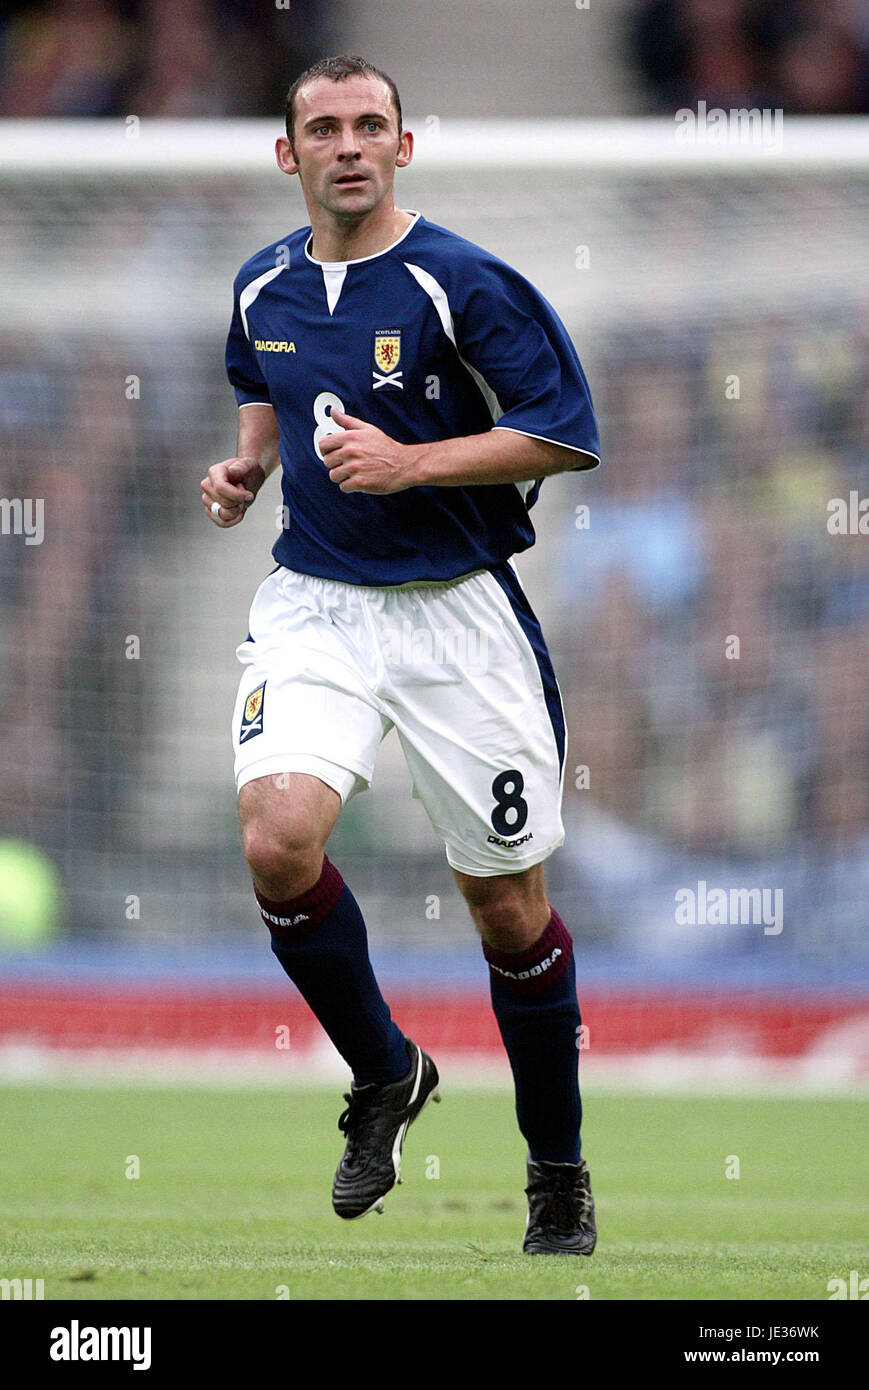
(350, 1121)
(565, 1202)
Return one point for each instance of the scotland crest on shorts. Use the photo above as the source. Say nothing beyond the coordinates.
(387, 355)
(252, 714)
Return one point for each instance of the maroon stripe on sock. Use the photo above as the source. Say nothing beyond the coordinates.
(308, 909)
(538, 969)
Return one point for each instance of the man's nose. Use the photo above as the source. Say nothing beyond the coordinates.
(349, 145)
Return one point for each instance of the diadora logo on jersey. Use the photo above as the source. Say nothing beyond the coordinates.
(509, 844)
(252, 716)
(272, 345)
(387, 354)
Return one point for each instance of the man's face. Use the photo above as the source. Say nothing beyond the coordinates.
(347, 144)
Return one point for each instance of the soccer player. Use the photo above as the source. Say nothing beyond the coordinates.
(414, 391)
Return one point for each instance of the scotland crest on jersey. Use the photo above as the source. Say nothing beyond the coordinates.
(387, 354)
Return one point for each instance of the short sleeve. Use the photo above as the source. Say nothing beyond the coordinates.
(242, 367)
(512, 337)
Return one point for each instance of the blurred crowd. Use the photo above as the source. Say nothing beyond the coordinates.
(807, 57)
(166, 58)
(179, 58)
(724, 446)
(75, 711)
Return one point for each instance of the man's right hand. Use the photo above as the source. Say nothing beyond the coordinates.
(233, 484)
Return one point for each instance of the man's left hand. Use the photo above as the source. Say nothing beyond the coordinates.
(361, 458)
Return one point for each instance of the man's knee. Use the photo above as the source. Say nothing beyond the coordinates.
(284, 835)
(510, 911)
(285, 859)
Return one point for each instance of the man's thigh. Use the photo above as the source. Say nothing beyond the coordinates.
(292, 807)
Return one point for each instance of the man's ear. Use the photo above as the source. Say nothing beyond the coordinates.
(284, 156)
(405, 150)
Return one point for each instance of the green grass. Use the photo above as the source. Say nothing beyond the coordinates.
(233, 1198)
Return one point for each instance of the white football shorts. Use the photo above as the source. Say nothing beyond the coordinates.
(459, 668)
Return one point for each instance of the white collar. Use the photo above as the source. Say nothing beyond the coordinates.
(342, 265)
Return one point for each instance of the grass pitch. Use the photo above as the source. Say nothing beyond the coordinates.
(232, 1200)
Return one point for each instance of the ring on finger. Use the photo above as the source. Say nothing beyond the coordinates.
(215, 509)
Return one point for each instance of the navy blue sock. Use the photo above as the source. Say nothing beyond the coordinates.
(535, 1004)
(321, 942)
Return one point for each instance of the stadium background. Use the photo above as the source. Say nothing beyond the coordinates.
(128, 928)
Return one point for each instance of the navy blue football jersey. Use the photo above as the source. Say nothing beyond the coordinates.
(429, 339)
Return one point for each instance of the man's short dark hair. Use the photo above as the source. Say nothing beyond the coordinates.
(336, 69)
